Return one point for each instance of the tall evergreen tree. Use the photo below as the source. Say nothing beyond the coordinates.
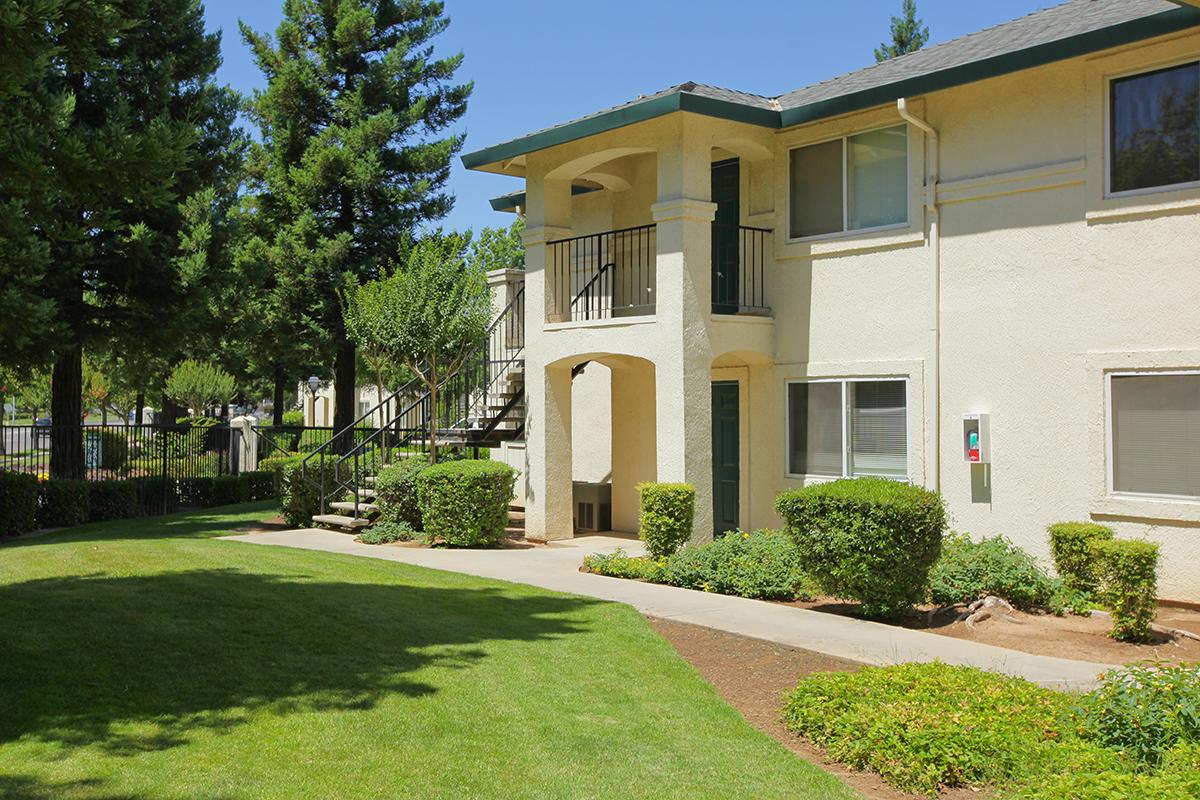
(354, 152)
(142, 128)
(909, 34)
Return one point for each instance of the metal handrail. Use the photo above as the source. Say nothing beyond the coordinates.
(588, 286)
(428, 417)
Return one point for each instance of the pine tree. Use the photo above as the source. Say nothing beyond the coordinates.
(142, 128)
(352, 157)
(909, 34)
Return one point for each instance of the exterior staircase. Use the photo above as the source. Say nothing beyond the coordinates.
(479, 407)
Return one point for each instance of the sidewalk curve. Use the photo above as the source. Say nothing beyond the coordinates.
(556, 567)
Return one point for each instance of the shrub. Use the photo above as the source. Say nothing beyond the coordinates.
(261, 484)
(230, 489)
(1128, 571)
(968, 570)
(18, 502)
(1112, 784)
(299, 489)
(1074, 558)
(667, 513)
(619, 564)
(386, 533)
(1144, 711)
(111, 500)
(396, 492)
(869, 539)
(765, 564)
(294, 418)
(151, 497)
(196, 491)
(62, 503)
(465, 503)
(927, 726)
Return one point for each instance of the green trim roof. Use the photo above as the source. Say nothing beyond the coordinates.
(1053, 34)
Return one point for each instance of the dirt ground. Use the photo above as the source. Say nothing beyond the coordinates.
(752, 676)
(1080, 638)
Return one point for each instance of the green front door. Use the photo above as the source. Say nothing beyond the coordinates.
(726, 180)
(726, 458)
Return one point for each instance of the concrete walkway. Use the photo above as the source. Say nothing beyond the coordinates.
(556, 567)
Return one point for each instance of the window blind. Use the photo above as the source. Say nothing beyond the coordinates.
(1156, 434)
(878, 428)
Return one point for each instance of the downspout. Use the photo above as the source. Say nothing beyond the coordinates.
(935, 322)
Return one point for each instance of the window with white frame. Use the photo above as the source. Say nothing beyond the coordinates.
(1154, 129)
(848, 427)
(853, 183)
(1154, 434)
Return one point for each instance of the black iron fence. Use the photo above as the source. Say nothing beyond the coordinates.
(738, 282)
(603, 275)
(171, 464)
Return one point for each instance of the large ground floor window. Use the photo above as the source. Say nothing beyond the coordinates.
(1154, 434)
(848, 427)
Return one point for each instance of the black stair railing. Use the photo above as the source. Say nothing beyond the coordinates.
(472, 406)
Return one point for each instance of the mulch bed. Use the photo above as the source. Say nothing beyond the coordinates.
(753, 675)
(1070, 636)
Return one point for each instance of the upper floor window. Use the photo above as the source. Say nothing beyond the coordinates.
(1154, 129)
(1154, 434)
(850, 184)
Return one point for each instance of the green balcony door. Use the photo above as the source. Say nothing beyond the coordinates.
(726, 183)
(726, 458)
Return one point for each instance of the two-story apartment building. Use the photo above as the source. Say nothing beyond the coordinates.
(975, 267)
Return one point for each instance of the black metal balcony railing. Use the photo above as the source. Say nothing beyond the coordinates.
(738, 283)
(603, 275)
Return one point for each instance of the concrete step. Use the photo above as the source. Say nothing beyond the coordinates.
(364, 509)
(339, 521)
(366, 494)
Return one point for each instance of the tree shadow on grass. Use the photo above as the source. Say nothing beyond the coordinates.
(28, 787)
(139, 663)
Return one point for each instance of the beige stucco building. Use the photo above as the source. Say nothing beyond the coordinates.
(999, 235)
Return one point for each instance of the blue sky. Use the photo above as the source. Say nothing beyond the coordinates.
(539, 62)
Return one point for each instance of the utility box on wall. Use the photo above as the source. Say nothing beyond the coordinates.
(977, 439)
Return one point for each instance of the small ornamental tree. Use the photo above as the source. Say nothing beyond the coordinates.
(430, 315)
(199, 385)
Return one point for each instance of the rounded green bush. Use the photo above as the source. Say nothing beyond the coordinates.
(111, 500)
(465, 503)
(1128, 572)
(868, 539)
(63, 503)
(396, 492)
(1074, 557)
(667, 515)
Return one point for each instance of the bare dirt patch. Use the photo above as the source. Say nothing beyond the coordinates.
(1079, 638)
(753, 675)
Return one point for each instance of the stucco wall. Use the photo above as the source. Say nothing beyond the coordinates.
(1046, 283)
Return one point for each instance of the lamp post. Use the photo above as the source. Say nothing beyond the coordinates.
(314, 383)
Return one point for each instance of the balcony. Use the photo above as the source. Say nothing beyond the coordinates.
(602, 276)
(738, 256)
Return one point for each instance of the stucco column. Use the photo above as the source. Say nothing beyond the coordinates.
(683, 396)
(633, 439)
(548, 488)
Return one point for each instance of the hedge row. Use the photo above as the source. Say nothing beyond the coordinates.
(27, 504)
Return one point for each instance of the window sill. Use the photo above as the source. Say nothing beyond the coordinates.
(1147, 508)
(1133, 206)
(854, 242)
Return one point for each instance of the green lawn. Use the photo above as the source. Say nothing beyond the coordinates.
(145, 659)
